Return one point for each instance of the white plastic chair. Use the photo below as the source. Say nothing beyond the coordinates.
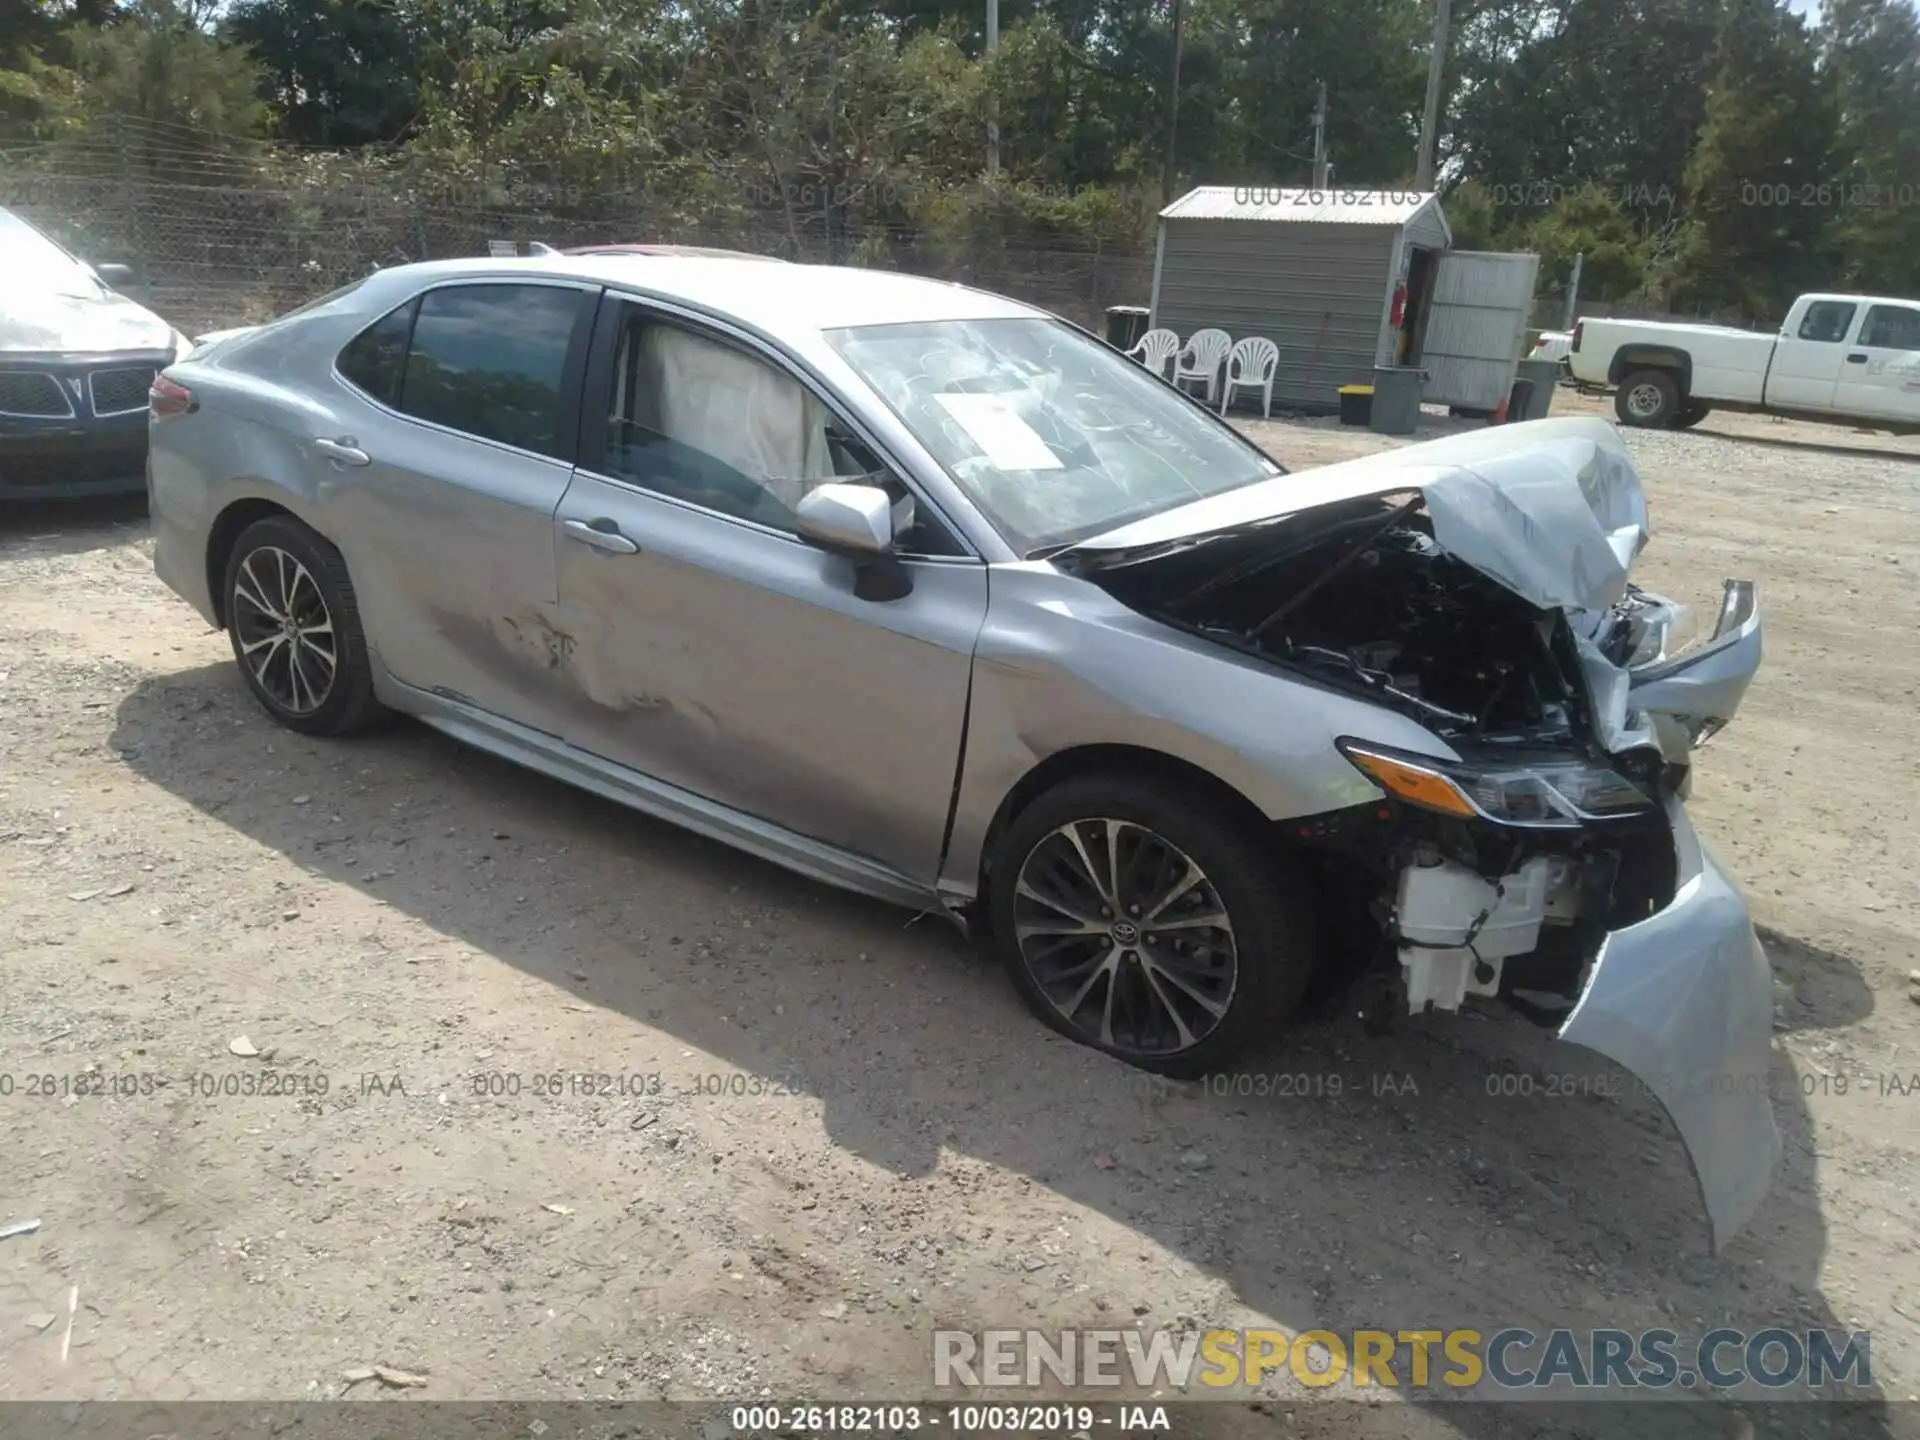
(1201, 359)
(1155, 349)
(1251, 362)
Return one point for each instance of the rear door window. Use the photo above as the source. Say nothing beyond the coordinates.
(491, 361)
(1891, 327)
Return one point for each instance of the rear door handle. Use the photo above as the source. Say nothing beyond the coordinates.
(601, 534)
(1856, 359)
(343, 452)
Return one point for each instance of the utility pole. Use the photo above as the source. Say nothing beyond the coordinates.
(1320, 141)
(1573, 293)
(993, 103)
(1173, 112)
(1430, 123)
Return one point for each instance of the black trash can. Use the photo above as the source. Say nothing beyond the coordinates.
(1125, 325)
(1396, 400)
(1519, 401)
(1356, 404)
(1545, 375)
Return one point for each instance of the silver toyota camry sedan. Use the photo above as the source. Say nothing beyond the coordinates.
(926, 593)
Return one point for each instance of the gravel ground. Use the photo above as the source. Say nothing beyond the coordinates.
(857, 1135)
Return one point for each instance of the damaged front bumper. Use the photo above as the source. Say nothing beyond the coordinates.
(1678, 992)
(1684, 1000)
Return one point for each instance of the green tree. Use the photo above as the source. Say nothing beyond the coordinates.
(1757, 230)
(1273, 56)
(1871, 50)
(337, 72)
(154, 89)
(1561, 94)
(1591, 223)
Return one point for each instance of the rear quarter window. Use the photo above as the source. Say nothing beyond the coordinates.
(375, 360)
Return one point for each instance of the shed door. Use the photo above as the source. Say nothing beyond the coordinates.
(1477, 324)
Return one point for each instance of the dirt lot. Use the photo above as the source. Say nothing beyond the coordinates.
(860, 1134)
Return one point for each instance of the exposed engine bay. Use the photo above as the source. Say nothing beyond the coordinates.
(1505, 882)
(1361, 596)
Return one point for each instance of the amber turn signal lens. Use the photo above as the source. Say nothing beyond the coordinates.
(1413, 784)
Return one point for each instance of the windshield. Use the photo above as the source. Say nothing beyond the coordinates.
(31, 263)
(1054, 435)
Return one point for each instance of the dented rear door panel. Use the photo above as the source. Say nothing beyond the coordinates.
(451, 544)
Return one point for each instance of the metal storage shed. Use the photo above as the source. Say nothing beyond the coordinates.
(1344, 281)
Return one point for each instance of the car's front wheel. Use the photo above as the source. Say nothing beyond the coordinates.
(295, 629)
(1141, 921)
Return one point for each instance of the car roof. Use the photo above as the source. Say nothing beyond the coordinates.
(769, 297)
(1907, 300)
(638, 249)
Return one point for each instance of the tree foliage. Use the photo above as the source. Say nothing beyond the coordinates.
(1713, 153)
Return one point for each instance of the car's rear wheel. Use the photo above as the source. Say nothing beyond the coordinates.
(1648, 399)
(1138, 921)
(296, 630)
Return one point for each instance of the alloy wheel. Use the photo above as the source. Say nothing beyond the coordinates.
(1125, 936)
(283, 630)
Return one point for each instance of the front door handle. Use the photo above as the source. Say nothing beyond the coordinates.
(1856, 359)
(343, 452)
(601, 534)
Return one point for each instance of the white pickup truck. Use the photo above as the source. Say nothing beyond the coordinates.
(1849, 358)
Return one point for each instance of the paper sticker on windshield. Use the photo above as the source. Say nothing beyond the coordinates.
(992, 423)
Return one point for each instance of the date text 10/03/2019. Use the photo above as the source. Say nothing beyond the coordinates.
(967, 1418)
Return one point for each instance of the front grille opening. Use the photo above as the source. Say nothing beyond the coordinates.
(32, 394)
(122, 391)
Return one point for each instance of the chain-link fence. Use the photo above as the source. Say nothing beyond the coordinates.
(228, 247)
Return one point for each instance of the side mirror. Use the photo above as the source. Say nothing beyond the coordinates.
(113, 274)
(855, 522)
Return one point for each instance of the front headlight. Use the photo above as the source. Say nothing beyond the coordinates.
(1559, 795)
(182, 347)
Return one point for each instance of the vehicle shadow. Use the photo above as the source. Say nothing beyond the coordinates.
(1876, 449)
(1437, 1178)
(70, 527)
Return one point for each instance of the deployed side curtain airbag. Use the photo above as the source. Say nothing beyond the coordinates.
(736, 408)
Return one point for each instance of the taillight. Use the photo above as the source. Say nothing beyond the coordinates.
(1579, 329)
(169, 399)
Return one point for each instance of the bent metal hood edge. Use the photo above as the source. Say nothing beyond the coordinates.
(1552, 509)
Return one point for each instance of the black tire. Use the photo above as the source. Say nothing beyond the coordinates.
(1268, 924)
(1648, 400)
(271, 560)
(1691, 414)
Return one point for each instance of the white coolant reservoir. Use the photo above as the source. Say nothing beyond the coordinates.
(1455, 928)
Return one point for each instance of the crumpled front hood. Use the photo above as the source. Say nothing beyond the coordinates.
(1552, 509)
(78, 324)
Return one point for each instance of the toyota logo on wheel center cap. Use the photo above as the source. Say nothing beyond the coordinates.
(1125, 932)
